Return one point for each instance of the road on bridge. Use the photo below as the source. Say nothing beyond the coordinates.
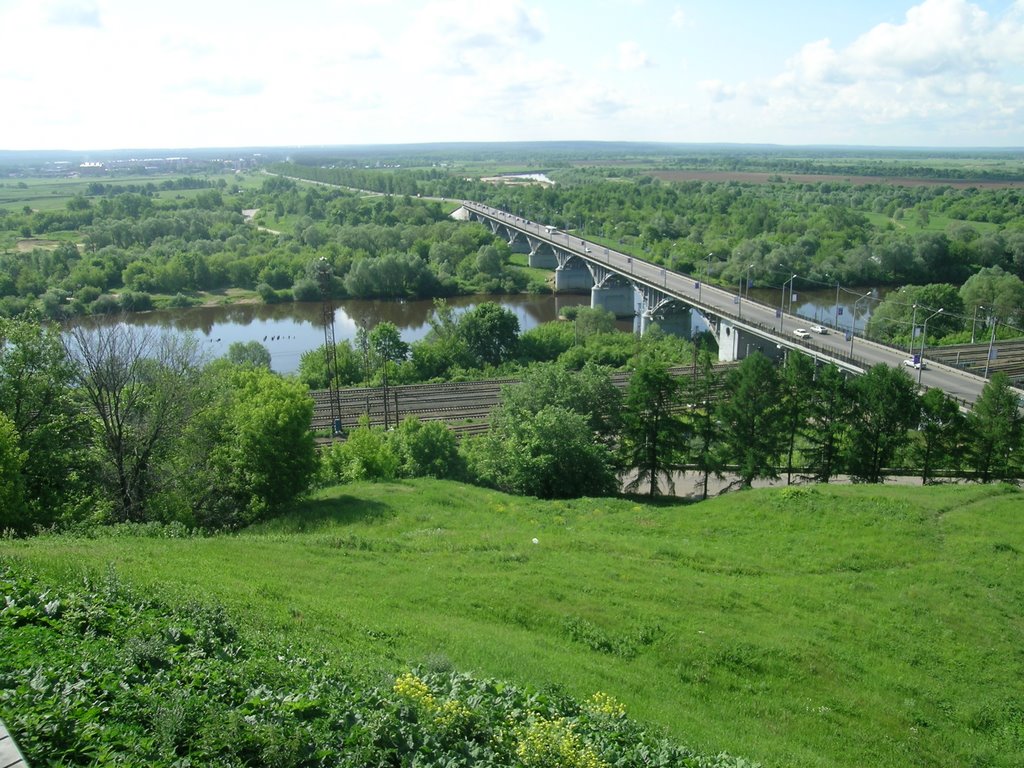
(757, 317)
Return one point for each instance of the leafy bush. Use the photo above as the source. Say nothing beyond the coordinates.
(367, 454)
(180, 300)
(306, 289)
(427, 449)
(105, 305)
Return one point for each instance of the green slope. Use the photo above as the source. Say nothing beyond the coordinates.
(815, 626)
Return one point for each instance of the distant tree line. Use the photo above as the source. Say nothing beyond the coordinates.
(136, 248)
(828, 233)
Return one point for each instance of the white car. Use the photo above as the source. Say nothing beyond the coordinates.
(917, 363)
(819, 329)
(802, 333)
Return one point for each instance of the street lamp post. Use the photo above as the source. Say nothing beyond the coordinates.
(924, 338)
(991, 343)
(835, 311)
(913, 327)
(853, 320)
(700, 283)
(782, 304)
(974, 322)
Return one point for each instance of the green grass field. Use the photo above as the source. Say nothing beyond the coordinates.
(49, 194)
(911, 224)
(810, 626)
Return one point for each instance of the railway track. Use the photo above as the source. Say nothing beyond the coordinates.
(464, 406)
(973, 358)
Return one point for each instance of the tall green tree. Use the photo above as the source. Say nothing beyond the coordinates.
(994, 431)
(939, 433)
(589, 392)
(828, 416)
(1000, 293)
(653, 436)
(249, 353)
(753, 419)
(427, 449)
(141, 388)
(13, 515)
(250, 452)
(705, 453)
(490, 332)
(891, 320)
(795, 385)
(52, 431)
(885, 409)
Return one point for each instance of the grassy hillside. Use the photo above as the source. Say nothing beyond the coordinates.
(820, 626)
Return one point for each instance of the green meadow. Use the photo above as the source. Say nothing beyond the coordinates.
(804, 626)
(936, 223)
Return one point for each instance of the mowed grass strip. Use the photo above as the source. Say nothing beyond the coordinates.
(806, 626)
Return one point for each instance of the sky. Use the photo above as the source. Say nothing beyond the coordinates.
(113, 74)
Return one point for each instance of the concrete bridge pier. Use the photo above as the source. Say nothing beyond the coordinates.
(542, 255)
(517, 241)
(674, 320)
(617, 298)
(736, 343)
(542, 260)
(571, 275)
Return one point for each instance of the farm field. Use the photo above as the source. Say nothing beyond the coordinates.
(804, 626)
(756, 177)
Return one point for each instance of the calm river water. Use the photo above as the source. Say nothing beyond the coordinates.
(288, 330)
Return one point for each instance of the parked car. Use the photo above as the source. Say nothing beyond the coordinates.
(914, 362)
(819, 329)
(802, 333)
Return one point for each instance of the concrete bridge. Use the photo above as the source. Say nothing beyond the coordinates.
(621, 283)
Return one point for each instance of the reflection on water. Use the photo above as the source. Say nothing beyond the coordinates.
(820, 306)
(288, 330)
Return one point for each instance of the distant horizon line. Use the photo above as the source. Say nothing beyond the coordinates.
(566, 143)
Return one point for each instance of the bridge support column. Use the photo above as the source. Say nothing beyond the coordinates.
(620, 300)
(542, 260)
(517, 241)
(736, 343)
(673, 320)
(572, 276)
(677, 320)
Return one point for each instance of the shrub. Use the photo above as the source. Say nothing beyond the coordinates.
(367, 454)
(306, 289)
(105, 305)
(427, 450)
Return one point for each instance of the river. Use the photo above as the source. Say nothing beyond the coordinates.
(287, 330)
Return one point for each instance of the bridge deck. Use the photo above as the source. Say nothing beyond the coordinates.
(10, 755)
(773, 329)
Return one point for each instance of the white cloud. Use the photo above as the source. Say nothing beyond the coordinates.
(632, 57)
(679, 19)
(947, 62)
(74, 13)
